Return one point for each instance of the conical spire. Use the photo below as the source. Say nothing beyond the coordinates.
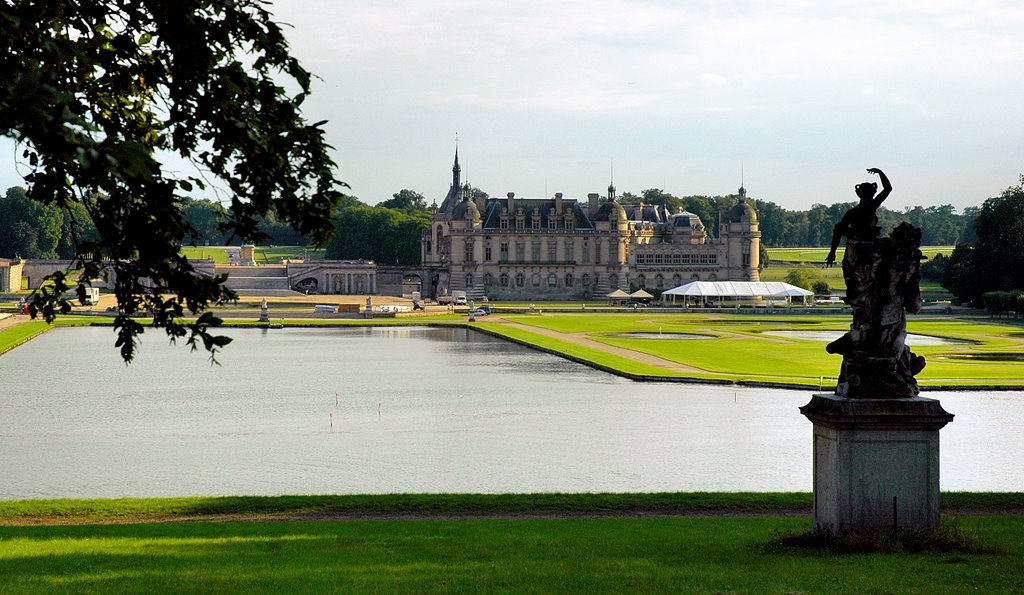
(456, 170)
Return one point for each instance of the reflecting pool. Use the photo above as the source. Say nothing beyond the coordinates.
(376, 410)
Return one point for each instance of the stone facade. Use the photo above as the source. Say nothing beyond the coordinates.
(10, 275)
(564, 248)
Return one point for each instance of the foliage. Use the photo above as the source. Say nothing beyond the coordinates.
(1002, 302)
(940, 225)
(93, 90)
(820, 287)
(383, 235)
(804, 276)
(408, 201)
(28, 229)
(995, 262)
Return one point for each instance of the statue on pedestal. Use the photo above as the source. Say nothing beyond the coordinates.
(882, 284)
(264, 315)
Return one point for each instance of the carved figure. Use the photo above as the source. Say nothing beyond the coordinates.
(882, 284)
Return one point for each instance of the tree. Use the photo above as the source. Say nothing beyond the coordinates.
(405, 200)
(384, 235)
(804, 276)
(93, 90)
(28, 229)
(204, 218)
(995, 262)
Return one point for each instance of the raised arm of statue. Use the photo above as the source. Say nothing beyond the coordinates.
(886, 186)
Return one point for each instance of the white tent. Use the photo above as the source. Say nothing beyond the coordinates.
(737, 290)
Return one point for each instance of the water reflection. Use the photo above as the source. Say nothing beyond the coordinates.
(418, 410)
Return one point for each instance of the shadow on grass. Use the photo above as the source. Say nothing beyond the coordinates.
(946, 538)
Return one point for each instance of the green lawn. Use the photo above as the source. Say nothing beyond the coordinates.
(740, 351)
(712, 554)
(264, 254)
(782, 260)
(818, 255)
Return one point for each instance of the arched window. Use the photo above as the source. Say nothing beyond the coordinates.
(695, 277)
(613, 279)
(568, 279)
(659, 281)
(440, 234)
(535, 279)
(552, 280)
(677, 280)
(641, 281)
(469, 279)
(503, 279)
(488, 280)
(520, 280)
(586, 280)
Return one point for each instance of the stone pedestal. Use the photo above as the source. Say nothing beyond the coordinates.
(876, 462)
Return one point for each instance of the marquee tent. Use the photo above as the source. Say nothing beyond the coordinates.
(717, 291)
(617, 296)
(640, 294)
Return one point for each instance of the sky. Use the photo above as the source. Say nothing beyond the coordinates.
(792, 98)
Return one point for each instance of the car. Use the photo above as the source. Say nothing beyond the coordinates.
(636, 304)
(479, 312)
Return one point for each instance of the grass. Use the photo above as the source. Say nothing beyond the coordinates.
(264, 255)
(782, 260)
(138, 510)
(704, 554)
(818, 255)
(739, 351)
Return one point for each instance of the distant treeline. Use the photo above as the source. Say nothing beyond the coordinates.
(782, 228)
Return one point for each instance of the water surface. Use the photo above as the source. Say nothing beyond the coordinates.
(418, 410)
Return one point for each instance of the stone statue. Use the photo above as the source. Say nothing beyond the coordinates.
(882, 284)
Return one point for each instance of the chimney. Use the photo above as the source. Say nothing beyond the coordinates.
(592, 204)
(481, 204)
(511, 204)
(558, 204)
(722, 225)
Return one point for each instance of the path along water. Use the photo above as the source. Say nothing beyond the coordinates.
(413, 410)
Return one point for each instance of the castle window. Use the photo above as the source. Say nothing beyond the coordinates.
(503, 279)
(659, 282)
(504, 252)
(520, 251)
(586, 280)
(597, 253)
(586, 251)
(712, 277)
(570, 251)
(659, 259)
(552, 254)
(488, 280)
(535, 250)
(677, 280)
(504, 222)
(641, 280)
(469, 251)
(520, 280)
(469, 279)
(487, 253)
(568, 280)
(552, 280)
(613, 280)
